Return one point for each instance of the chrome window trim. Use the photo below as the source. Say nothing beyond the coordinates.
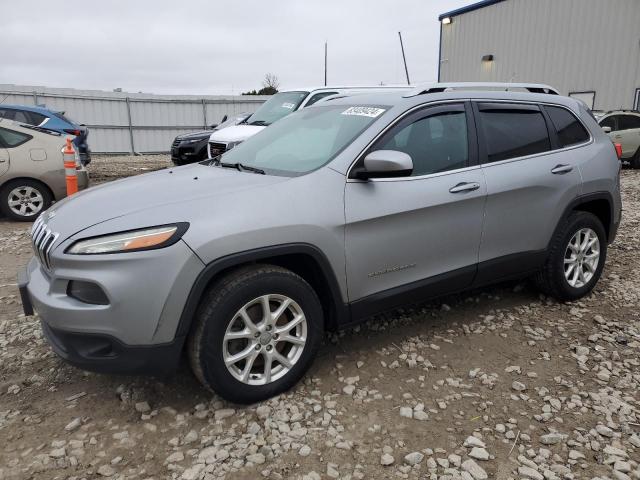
(471, 167)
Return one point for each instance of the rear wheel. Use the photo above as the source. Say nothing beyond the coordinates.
(635, 160)
(576, 258)
(24, 200)
(256, 334)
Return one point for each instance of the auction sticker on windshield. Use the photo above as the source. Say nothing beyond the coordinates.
(290, 106)
(372, 112)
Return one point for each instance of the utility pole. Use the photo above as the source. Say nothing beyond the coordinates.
(404, 59)
(325, 64)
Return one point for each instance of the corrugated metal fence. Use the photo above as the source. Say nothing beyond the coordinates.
(122, 122)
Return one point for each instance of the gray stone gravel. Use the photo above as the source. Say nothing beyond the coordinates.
(499, 383)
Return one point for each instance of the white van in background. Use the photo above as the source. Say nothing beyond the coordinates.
(278, 106)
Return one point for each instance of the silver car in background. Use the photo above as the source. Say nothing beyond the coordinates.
(32, 173)
(332, 214)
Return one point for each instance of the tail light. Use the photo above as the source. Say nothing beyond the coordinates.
(618, 150)
(72, 131)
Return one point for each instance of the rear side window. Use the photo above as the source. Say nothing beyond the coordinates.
(512, 133)
(610, 122)
(36, 118)
(570, 130)
(11, 139)
(319, 96)
(628, 122)
(22, 117)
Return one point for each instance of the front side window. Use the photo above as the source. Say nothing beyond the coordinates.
(11, 139)
(570, 130)
(304, 141)
(512, 133)
(436, 143)
(628, 122)
(278, 106)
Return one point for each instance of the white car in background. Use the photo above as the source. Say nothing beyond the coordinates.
(278, 106)
(623, 126)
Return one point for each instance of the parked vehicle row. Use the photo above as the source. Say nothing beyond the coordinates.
(338, 211)
(32, 173)
(51, 120)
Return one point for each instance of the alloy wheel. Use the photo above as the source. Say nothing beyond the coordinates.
(264, 339)
(25, 201)
(581, 257)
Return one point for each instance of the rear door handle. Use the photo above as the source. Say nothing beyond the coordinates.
(561, 169)
(465, 187)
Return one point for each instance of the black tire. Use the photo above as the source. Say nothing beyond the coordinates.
(551, 279)
(30, 214)
(217, 309)
(634, 162)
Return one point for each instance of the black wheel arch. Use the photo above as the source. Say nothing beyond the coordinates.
(303, 259)
(599, 204)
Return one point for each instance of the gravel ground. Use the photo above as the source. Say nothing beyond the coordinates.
(498, 383)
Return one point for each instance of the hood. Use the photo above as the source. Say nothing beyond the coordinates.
(235, 133)
(152, 192)
(200, 134)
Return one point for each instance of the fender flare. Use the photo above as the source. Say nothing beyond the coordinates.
(257, 255)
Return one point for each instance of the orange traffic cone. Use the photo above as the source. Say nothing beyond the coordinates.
(70, 168)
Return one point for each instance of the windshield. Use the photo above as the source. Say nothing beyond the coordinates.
(304, 141)
(277, 107)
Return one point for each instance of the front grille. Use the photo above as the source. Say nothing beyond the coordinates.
(176, 142)
(216, 149)
(42, 240)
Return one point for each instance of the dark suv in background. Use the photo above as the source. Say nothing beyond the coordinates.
(192, 147)
(51, 120)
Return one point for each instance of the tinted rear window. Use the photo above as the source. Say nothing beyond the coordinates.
(514, 133)
(11, 139)
(570, 130)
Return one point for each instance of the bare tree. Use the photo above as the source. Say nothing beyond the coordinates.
(271, 82)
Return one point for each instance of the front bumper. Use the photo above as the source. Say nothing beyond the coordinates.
(135, 331)
(105, 354)
(189, 153)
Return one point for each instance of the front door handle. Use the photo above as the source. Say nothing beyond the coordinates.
(561, 169)
(465, 187)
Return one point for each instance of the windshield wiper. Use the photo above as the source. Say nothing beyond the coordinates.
(238, 166)
(260, 123)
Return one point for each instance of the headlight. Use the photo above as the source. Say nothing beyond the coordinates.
(131, 241)
(230, 145)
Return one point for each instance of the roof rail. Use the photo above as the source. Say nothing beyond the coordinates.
(445, 87)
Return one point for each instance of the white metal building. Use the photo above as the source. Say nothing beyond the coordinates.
(588, 49)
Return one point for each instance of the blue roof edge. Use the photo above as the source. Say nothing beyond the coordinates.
(469, 8)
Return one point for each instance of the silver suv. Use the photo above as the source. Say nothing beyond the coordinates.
(336, 212)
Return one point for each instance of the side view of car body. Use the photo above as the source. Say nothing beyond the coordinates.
(623, 126)
(51, 120)
(339, 211)
(32, 174)
(192, 147)
(279, 106)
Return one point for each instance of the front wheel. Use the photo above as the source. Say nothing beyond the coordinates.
(257, 332)
(576, 258)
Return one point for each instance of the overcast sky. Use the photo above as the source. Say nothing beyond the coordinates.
(217, 46)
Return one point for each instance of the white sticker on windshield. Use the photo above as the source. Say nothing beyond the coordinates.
(290, 106)
(372, 112)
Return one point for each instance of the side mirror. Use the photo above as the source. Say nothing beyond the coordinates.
(606, 129)
(385, 163)
(213, 126)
